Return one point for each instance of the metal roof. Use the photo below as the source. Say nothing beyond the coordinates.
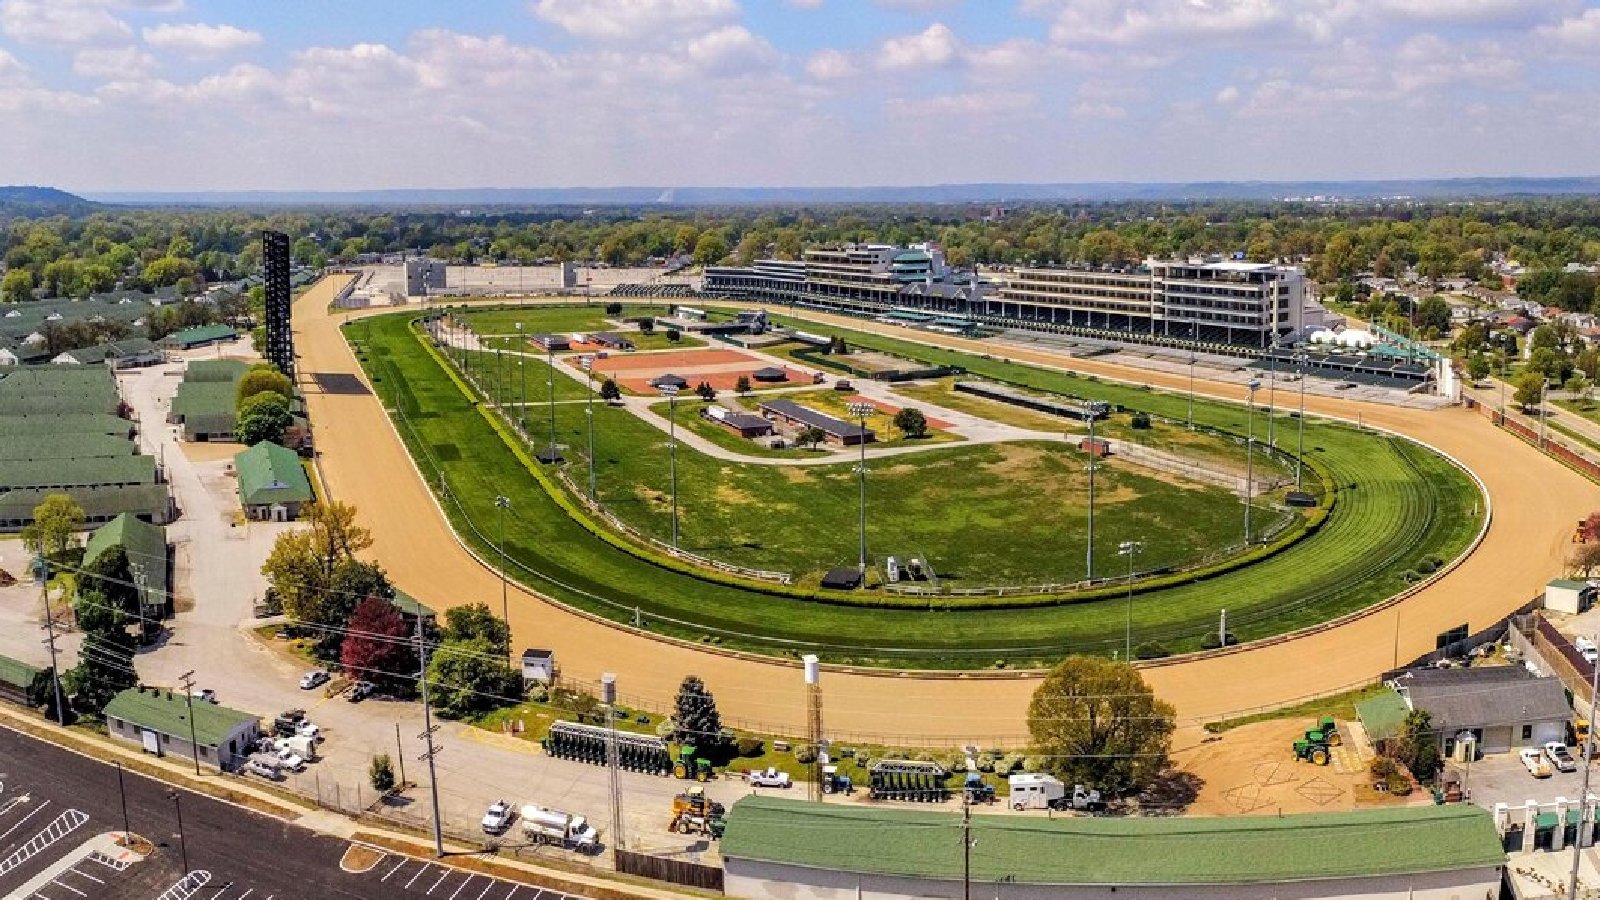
(1475, 698)
(1137, 850)
(146, 549)
(269, 473)
(167, 712)
(808, 416)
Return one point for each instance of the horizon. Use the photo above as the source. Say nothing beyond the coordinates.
(182, 96)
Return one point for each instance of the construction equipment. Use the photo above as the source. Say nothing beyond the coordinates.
(908, 780)
(834, 783)
(587, 743)
(695, 813)
(976, 790)
(691, 765)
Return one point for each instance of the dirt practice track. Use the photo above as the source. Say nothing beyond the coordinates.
(1536, 501)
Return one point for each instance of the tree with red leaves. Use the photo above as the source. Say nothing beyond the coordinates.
(377, 647)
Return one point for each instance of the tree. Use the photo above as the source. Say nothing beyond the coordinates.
(742, 385)
(469, 676)
(313, 570)
(1433, 316)
(1585, 558)
(1477, 366)
(613, 308)
(1418, 746)
(16, 286)
(380, 773)
(1096, 722)
(911, 423)
(167, 271)
(376, 647)
(609, 392)
(474, 622)
(705, 391)
(56, 522)
(263, 379)
(695, 719)
(674, 335)
(709, 248)
(105, 661)
(810, 435)
(647, 325)
(263, 417)
(837, 346)
(1529, 391)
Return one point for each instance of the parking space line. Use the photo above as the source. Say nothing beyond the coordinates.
(247, 892)
(31, 814)
(512, 891)
(486, 887)
(398, 866)
(462, 885)
(416, 876)
(76, 871)
(58, 883)
(442, 877)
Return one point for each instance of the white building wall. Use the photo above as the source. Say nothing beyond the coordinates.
(767, 881)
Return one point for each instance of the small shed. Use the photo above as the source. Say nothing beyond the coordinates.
(272, 483)
(1568, 596)
(770, 374)
(538, 666)
(551, 341)
(844, 578)
(670, 380)
(611, 341)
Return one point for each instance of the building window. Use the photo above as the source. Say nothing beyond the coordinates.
(1527, 732)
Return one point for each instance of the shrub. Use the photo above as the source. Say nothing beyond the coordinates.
(1008, 763)
(805, 753)
(381, 774)
(1382, 769)
(1140, 420)
(749, 746)
(1151, 650)
(613, 309)
(1399, 784)
(1212, 642)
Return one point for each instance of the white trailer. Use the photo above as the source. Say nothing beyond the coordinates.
(552, 826)
(1034, 790)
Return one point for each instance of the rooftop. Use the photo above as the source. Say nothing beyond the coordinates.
(409, 605)
(808, 416)
(269, 473)
(144, 544)
(167, 712)
(201, 334)
(1176, 850)
(1494, 695)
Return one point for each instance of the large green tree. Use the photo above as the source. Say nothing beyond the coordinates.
(262, 379)
(314, 571)
(468, 676)
(263, 417)
(106, 658)
(1095, 722)
(56, 522)
(695, 719)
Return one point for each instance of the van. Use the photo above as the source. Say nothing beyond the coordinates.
(263, 765)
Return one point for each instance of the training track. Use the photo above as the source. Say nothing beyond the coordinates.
(1535, 500)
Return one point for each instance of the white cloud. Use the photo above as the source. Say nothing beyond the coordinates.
(1580, 34)
(932, 47)
(1228, 95)
(200, 40)
(60, 22)
(830, 65)
(113, 63)
(614, 20)
(731, 50)
(803, 4)
(963, 105)
(915, 5)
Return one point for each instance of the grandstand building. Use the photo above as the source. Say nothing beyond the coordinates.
(1226, 302)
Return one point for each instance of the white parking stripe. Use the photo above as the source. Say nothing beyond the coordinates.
(416, 876)
(441, 879)
(31, 814)
(462, 885)
(486, 887)
(398, 866)
(247, 892)
(512, 891)
(86, 875)
(69, 887)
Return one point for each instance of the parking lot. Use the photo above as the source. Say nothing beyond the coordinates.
(1501, 778)
(423, 878)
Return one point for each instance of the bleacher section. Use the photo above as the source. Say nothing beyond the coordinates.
(648, 291)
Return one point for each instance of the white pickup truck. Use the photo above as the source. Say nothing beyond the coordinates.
(770, 777)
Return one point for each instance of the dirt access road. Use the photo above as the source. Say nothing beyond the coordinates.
(1535, 500)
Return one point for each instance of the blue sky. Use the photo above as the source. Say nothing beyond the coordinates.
(292, 94)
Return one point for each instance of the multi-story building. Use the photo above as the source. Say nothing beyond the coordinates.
(1249, 304)
(1227, 302)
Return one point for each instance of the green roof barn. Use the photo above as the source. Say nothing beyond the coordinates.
(159, 720)
(272, 483)
(782, 848)
(146, 549)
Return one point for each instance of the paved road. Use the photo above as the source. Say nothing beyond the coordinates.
(1535, 500)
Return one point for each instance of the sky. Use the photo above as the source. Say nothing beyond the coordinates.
(147, 95)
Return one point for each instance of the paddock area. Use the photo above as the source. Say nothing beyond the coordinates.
(722, 369)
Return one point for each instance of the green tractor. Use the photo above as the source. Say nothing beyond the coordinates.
(1330, 731)
(1312, 748)
(691, 765)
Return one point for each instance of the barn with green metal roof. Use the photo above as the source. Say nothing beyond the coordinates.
(784, 849)
(272, 483)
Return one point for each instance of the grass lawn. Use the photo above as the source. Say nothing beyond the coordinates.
(690, 419)
(833, 403)
(501, 324)
(1397, 505)
(505, 378)
(941, 393)
(1340, 706)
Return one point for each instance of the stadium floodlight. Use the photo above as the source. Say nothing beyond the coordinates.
(670, 391)
(1130, 549)
(861, 410)
(1249, 456)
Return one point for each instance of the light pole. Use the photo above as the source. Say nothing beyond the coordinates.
(1300, 451)
(1192, 360)
(183, 844)
(1250, 458)
(1272, 399)
(861, 411)
(670, 391)
(522, 375)
(503, 503)
(1544, 388)
(1588, 764)
(588, 376)
(550, 381)
(1130, 549)
(1096, 409)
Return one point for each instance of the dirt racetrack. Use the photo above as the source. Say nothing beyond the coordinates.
(1536, 500)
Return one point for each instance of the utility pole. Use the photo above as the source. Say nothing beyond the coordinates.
(428, 728)
(50, 638)
(861, 411)
(671, 392)
(1192, 360)
(966, 844)
(122, 790)
(187, 681)
(1096, 409)
(1130, 549)
(1300, 451)
(400, 755)
(1250, 459)
(183, 842)
(550, 378)
(588, 377)
(1272, 399)
(503, 503)
(522, 376)
(813, 672)
(1588, 763)
(608, 696)
(1544, 389)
